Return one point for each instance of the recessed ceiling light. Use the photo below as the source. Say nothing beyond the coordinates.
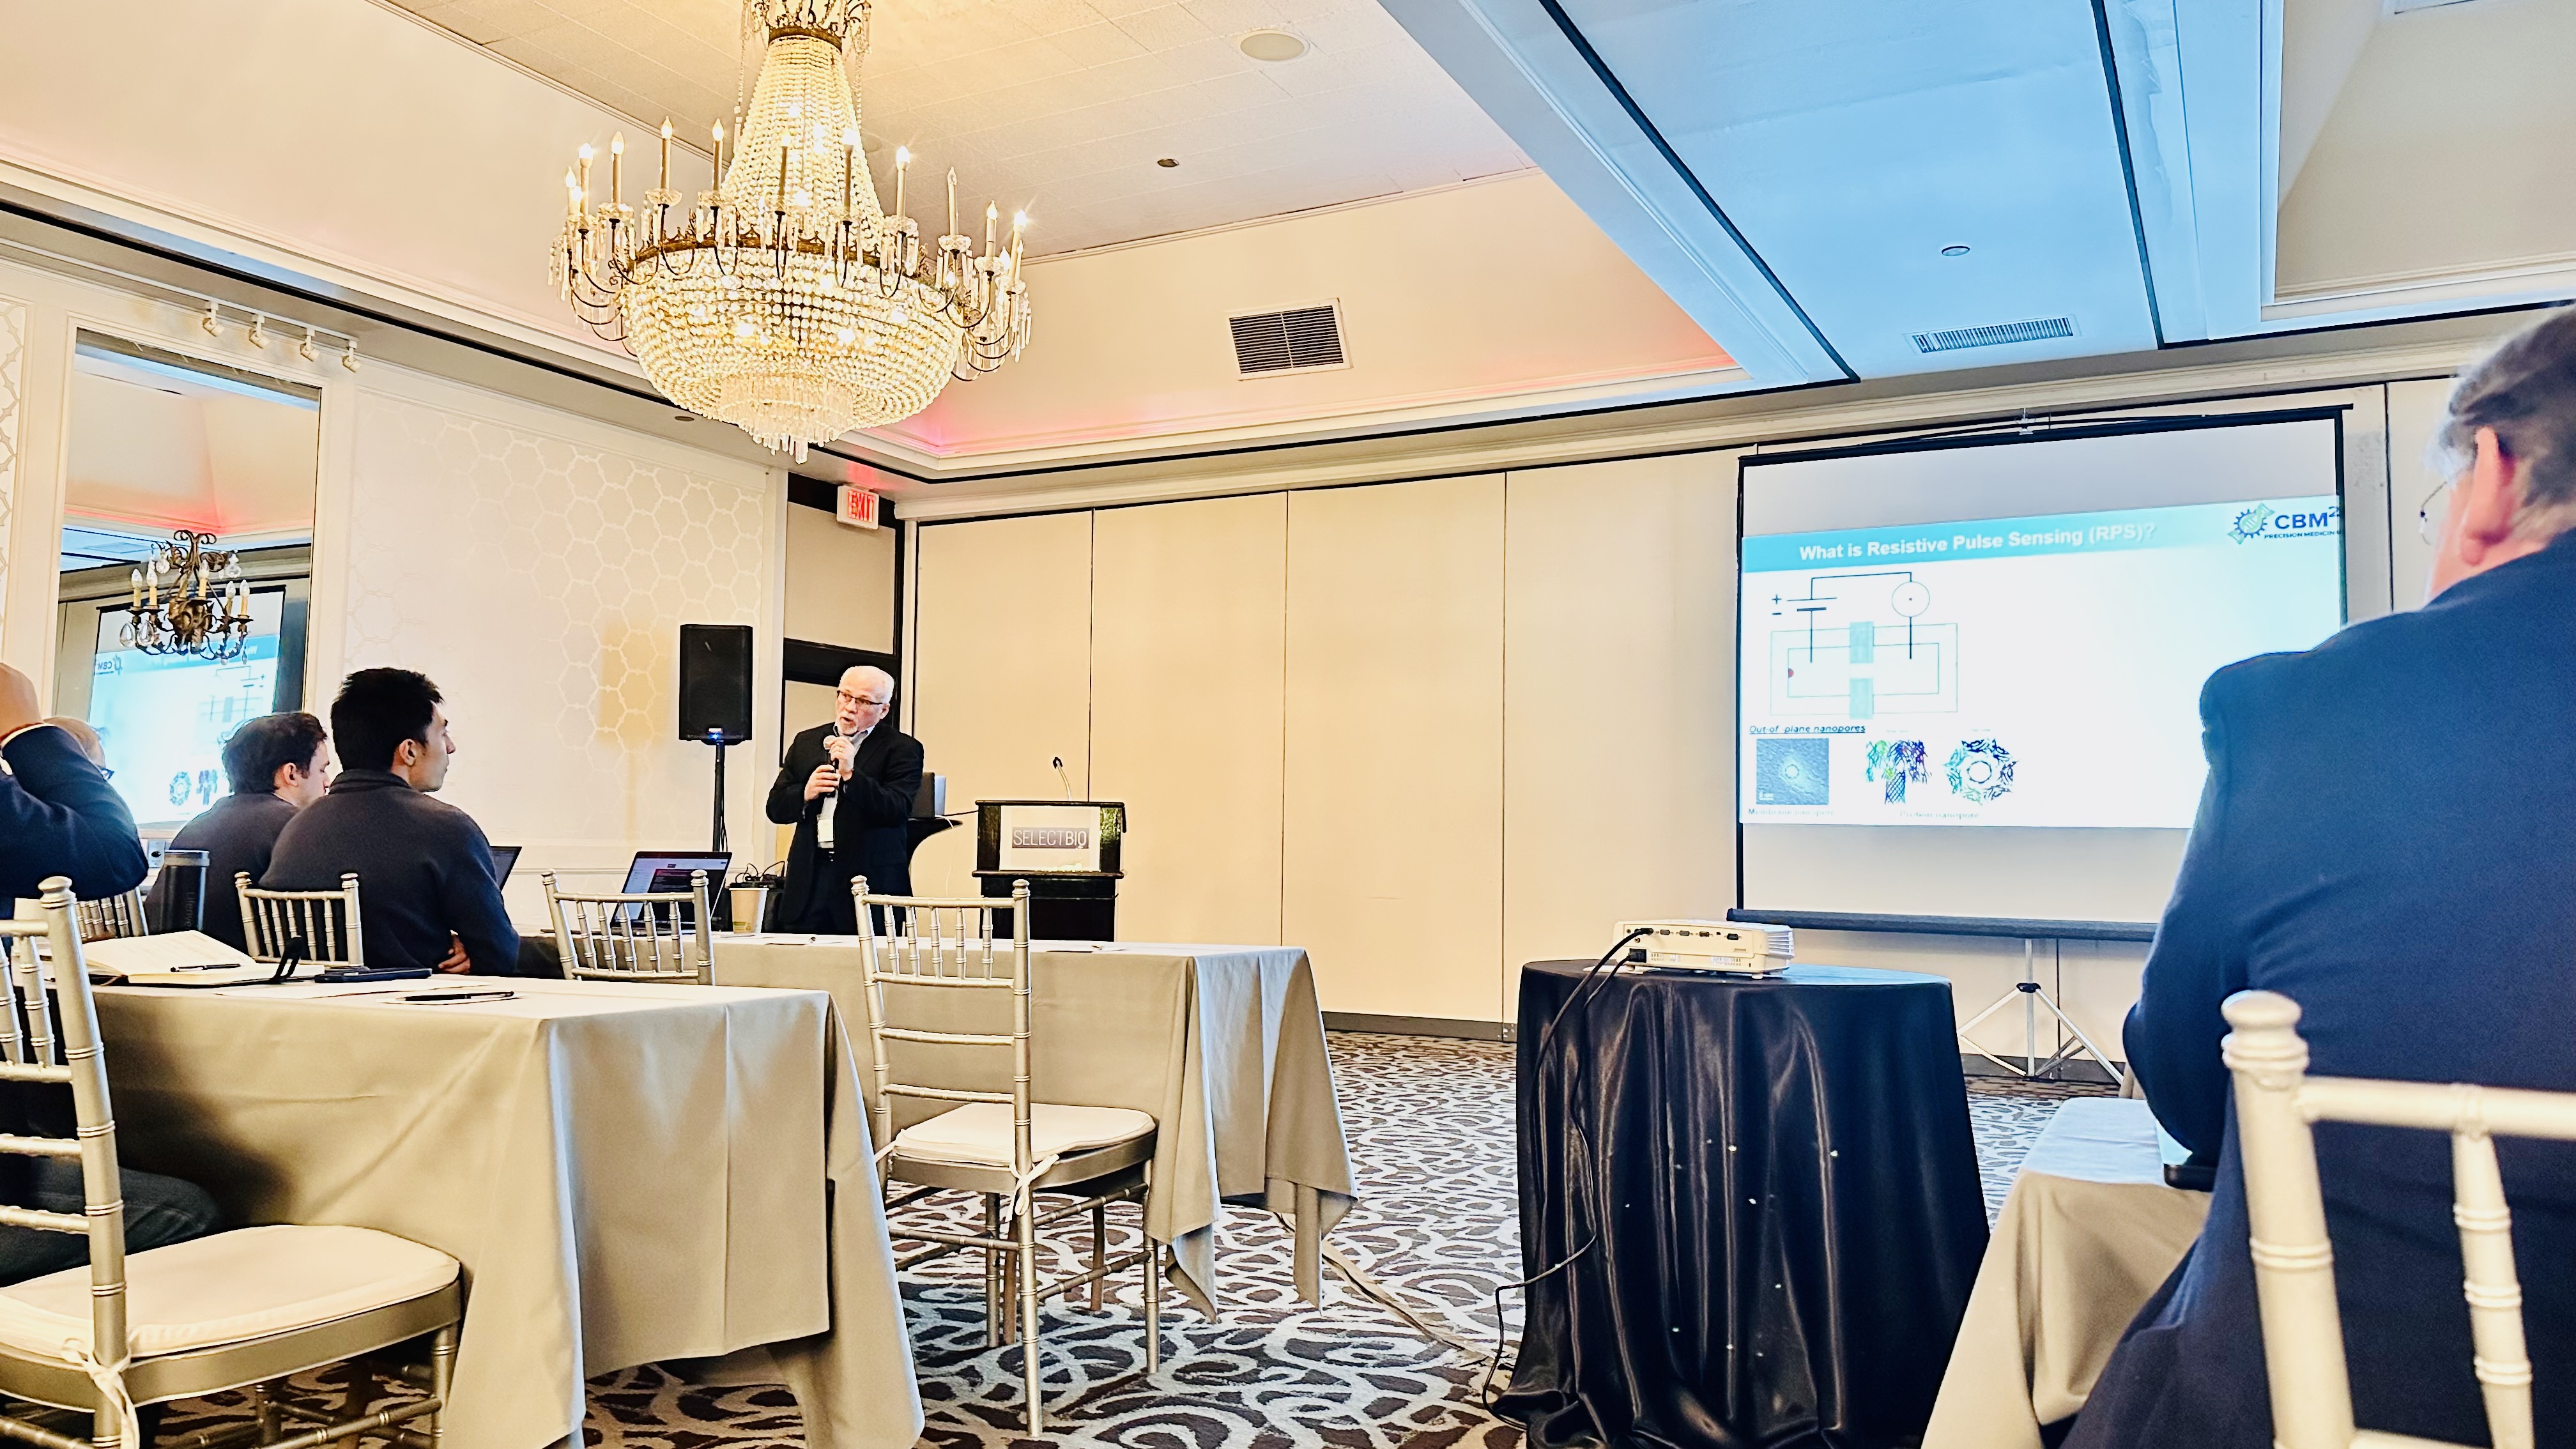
(1272, 45)
(1954, 251)
(1166, 162)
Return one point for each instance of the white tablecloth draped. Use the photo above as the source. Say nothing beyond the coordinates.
(1222, 1045)
(629, 1173)
(2088, 1233)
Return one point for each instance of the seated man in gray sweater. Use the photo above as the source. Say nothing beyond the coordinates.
(424, 870)
(278, 764)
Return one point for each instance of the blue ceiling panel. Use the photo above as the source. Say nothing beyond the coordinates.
(1850, 141)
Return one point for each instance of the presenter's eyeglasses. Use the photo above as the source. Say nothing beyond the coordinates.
(2427, 522)
(862, 701)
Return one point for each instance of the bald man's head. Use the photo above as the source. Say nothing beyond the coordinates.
(864, 696)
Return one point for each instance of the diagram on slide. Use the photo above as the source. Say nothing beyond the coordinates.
(1895, 764)
(1796, 770)
(1855, 646)
(1980, 770)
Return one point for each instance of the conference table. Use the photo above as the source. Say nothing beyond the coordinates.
(2088, 1233)
(630, 1173)
(1222, 1045)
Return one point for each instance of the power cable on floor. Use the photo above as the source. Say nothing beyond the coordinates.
(1387, 1298)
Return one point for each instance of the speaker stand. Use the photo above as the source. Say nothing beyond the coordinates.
(718, 742)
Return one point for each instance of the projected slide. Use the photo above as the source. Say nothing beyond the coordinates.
(2040, 671)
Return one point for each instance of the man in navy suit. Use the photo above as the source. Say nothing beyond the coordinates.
(2388, 837)
(58, 814)
(63, 818)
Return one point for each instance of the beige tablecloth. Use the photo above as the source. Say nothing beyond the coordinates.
(628, 1173)
(2088, 1233)
(1222, 1045)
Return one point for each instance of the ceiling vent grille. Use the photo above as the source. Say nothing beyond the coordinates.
(2037, 330)
(1291, 341)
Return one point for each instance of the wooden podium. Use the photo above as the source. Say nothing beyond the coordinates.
(1067, 850)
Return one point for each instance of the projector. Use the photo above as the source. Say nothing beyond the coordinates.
(1744, 948)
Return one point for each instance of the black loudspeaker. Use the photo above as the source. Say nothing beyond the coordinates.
(715, 682)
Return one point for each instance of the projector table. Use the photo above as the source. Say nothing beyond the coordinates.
(1769, 1192)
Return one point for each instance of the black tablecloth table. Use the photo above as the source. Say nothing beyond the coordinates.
(1770, 1194)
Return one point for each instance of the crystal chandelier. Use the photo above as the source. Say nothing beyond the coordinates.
(786, 301)
(208, 612)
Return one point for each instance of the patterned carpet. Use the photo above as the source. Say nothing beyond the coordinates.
(1430, 1128)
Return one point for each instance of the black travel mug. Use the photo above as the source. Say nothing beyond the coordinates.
(183, 902)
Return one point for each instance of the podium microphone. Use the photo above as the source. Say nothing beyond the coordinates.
(1064, 779)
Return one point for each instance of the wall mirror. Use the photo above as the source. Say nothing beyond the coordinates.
(187, 564)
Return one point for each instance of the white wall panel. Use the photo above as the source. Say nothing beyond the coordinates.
(1188, 646)
(1393, 871)
(840, 582)
(13, 352)
(1619, 632)
(1001, 670)
(2415, 414)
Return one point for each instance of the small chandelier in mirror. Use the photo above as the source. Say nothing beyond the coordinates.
(189, 598)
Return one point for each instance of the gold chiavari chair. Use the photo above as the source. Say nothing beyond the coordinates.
(999, 1144)
(644, 936)
(109, 917)
(244, 1309)
(2294, 1286)
(325, 922)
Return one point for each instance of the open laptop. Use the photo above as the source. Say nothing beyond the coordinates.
(505, 858)
(662, 871)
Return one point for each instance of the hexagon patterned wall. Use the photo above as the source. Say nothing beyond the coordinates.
(13, 351)
(541, 581)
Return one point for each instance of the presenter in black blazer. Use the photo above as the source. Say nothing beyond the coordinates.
(848, 788)
(2388, 837)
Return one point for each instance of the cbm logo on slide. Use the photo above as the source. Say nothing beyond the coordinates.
(2264, 521)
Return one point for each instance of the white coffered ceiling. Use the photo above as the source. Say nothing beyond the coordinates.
(1062, 107)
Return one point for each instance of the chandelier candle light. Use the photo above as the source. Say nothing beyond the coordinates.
(208, 611)
(787, 301)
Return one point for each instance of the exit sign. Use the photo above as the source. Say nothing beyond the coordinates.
(857, 507)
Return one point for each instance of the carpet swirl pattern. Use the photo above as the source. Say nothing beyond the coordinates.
(1430, 1128)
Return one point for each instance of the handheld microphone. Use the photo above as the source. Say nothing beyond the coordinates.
(1063, 779)
(840, 758)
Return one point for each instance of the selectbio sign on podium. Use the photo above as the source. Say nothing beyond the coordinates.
(1067, 850)
(1051, 838)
